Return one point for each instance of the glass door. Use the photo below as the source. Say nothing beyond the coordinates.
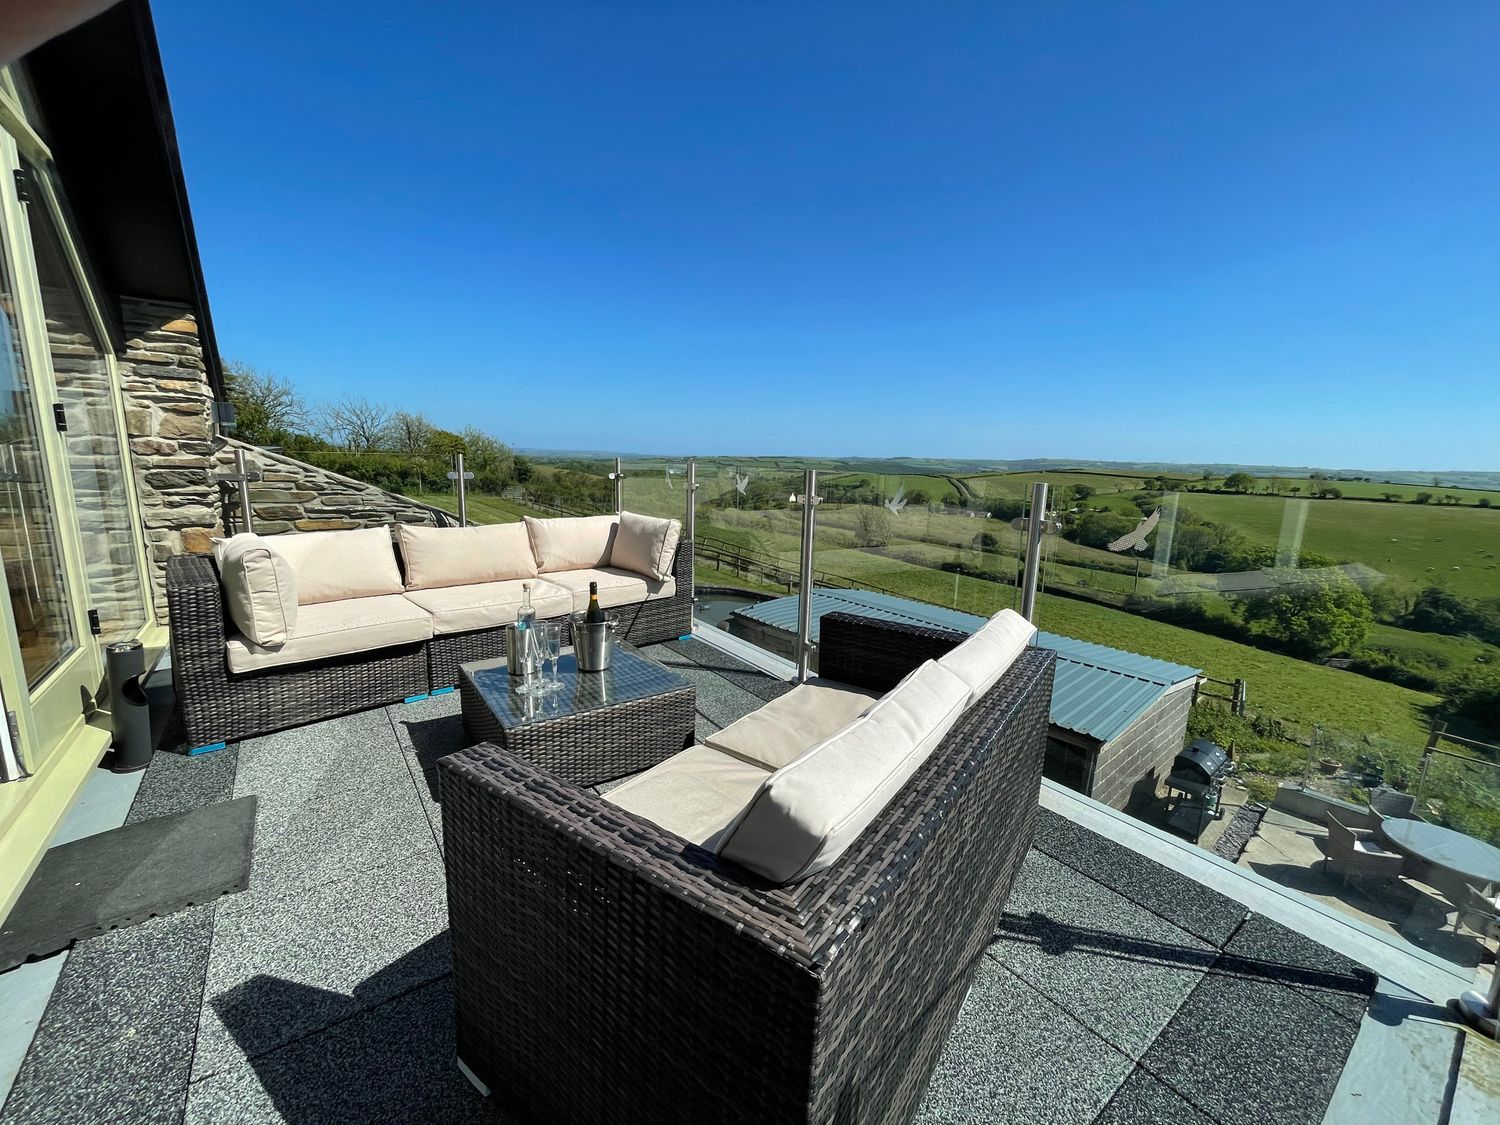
(51, 649)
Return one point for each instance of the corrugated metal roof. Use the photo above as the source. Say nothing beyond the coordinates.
(1098, 691)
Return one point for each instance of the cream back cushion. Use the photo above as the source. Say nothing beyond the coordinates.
(333, 565)
(571, 543)
(462, 556)
(981, 660)
(260, 588)
(646, 545)
(806, 814)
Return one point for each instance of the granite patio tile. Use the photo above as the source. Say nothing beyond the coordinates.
(1145, 1100)
(288, 962)
(1014, 1056)
(1108, 962)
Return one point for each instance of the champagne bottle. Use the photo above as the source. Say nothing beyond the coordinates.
(595, 615)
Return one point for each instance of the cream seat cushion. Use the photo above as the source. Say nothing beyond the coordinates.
(455, 556)
(336, 629)
(486, 605)
(981, 660)
(616, 587)
(695, 794)
(334, 565)
(572, 542)
(782, 730)
(806, 814)
(260, 588)
(646, 545)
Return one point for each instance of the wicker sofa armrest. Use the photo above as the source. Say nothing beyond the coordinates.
(195, 605)
(876, 654)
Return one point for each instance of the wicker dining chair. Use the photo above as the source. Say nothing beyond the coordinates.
(1357, 851)
(1478, 905)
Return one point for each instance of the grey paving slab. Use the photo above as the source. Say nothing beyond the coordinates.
(174, 783)
(103, 804)
(1200, 911)
(394, 1062)
(1014, 1056)
(1108, 962)
(286, 963)
(427, 731)
(118, 1035)
(1145, 1100)
(1263, 948)
(736, 671)
(719, 701)
(1252, 1051)
(24, 991)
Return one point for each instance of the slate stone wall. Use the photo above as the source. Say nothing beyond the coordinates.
(176, 456)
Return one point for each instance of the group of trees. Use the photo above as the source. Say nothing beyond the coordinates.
(395, 449)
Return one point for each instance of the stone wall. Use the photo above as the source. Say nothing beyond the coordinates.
(176, 455)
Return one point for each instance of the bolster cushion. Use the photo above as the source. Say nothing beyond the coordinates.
(260, 588)
(982, 659)
(334, 565)
(572, 542)
(461, 556)
(806, 814)
(646, 545)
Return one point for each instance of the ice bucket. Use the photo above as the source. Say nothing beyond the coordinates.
(520, 652)
(593, 644)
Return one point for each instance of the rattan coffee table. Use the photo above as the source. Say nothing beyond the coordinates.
(601, 726)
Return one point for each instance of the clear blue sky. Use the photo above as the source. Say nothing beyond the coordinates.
(1172, 231)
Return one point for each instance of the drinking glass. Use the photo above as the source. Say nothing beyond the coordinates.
(551, 652)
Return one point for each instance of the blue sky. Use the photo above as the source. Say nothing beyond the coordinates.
(1262, 233)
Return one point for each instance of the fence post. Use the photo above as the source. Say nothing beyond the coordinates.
(809, 502)
(1422, 775)
(1034, 526)
(1237, 704)
(1435, 734)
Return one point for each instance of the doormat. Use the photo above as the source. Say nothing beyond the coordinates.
(129, 874)
(1242, 825)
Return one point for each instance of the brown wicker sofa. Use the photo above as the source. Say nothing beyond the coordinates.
(607, 969)
(423, 622)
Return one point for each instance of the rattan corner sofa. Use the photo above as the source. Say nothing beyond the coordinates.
(275, 631)
(608, 968)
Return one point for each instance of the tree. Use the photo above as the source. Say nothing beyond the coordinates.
(521, 464)
(873, 526)
(1483, 502)
(1082, 491)
(1422, 498)
(1388, 496)
(1099, 529)
(1280, 485)
(358, 423)
(268, 409)
(918, 497)
(1312, 616)
(410, 432)
(1239, 482)
(1328, 492)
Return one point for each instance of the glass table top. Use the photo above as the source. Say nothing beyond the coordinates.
(630, 676)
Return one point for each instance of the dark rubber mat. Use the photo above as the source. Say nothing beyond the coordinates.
(129, 874)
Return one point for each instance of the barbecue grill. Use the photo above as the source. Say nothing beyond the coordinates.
(1193, 786)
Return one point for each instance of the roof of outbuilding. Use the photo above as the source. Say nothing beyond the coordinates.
(1098, 691)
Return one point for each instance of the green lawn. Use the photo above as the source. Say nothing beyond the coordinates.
(1456, 548)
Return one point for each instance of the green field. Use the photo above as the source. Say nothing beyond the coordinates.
(1456, 548)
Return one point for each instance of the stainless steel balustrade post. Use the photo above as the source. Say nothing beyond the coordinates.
(1035, 524)
(690, 523)
(809, 502)
(618, 476)
(461, 478)
(242, 472)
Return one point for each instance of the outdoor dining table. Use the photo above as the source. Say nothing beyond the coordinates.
(1442, 847)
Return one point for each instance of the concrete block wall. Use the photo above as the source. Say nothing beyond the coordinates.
(1129, 768)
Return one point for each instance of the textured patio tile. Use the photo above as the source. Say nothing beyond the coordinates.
(175, 783)
(1197, 909)
(1016, 1057)
(1252, 1051)
(426, 732)
(285, 964)
(1110, 963)
(1265, 949)
(393, 1063)
(719, 701)
(1144, 1100)
(736, 671)
(122, 1017)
